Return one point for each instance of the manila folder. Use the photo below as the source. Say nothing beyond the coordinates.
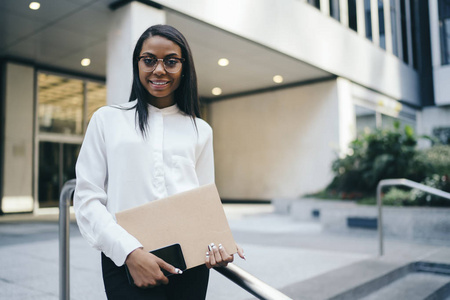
(194, 219)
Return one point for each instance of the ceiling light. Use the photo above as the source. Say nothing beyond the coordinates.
(85, 62)
(223, 62)
(278, 79)
(34, 5)
(216, 91)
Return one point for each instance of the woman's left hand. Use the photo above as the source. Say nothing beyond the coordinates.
(217, 256)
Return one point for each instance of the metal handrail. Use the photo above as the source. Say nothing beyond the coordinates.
(245, 280)
(64, 232)
(404, 182)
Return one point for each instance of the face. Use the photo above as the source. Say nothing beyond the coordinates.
(160, 84)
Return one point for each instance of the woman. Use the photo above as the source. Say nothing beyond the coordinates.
(149, 148)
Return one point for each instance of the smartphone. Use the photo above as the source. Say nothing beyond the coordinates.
(171, 254)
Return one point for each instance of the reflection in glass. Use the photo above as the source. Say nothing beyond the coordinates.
(352, 20)
(444, 24)
(334, 9)
(60, 107)
(394, 11)
(56, 166)
(381, 26)
(48, 183)
(96, 97)
(368, 19)
(365, 119)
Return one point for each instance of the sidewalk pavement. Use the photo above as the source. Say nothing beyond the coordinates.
(279, 251)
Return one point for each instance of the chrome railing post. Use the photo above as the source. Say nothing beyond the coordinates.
(64, 246)
(404, 182)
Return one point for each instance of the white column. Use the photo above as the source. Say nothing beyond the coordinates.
(347, 117)
(409, 33)
(361, 18)
(434, 34)
(398, 22)
(127, 25)
(374, 21)
(18, 151)
(343, 10)
(325, 7)
(387, 25)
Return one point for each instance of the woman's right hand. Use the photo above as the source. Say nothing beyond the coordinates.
(145, 268)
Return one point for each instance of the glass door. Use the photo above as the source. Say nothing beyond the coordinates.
(64, 108)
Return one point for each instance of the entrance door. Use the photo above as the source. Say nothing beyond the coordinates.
(65, 106)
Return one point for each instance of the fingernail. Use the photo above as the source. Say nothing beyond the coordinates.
(220, 246)
(178, 271)
(207, 254)
(209, 247)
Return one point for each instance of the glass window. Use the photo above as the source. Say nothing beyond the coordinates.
(404, 31)
(315, 3)
(394, 28)
(334, 9)
(96, 96)
(381, 26)
(368, 19)
(352, 21)
(366, 119)
(65, 105)
(412, 4)
(60, 104)
(444, 25)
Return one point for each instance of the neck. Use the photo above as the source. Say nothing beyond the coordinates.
(162, 102)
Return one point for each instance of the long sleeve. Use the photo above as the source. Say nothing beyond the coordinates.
(96, 223)
(205, 162)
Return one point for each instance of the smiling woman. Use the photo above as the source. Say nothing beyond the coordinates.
(121, 166)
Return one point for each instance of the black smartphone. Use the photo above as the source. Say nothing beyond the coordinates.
(171, 254)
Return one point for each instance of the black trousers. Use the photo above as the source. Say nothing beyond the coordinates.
(191, 285)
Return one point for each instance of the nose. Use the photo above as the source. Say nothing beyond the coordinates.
(159, 69)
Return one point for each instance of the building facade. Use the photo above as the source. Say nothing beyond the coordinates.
(300, 80)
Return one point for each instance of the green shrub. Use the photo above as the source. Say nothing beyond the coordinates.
(397, 197)
(376, 156)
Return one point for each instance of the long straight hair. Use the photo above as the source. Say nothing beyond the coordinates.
(186, 95)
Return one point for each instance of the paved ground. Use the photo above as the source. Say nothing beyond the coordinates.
(279, 250)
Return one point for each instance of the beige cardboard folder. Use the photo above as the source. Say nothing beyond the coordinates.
(193, 219)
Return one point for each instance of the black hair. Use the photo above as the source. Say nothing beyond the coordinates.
(186, 95)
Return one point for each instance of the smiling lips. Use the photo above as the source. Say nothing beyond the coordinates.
(159, 82)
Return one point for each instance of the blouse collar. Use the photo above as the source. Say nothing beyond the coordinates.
(173, 109)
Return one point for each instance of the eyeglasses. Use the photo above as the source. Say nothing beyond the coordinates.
(171, 64)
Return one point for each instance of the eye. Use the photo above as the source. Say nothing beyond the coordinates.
(171, 62)
(148, 61)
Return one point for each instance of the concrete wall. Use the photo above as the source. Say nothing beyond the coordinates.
(276, 144)
(319, 40)
(18, 156)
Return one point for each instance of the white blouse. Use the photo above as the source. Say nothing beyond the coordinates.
(118, 169)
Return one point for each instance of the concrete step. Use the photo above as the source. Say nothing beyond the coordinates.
(414, 286)
(376, 279)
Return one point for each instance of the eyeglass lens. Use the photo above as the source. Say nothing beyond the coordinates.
(171, 64)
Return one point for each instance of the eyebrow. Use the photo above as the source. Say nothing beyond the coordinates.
(151, 54)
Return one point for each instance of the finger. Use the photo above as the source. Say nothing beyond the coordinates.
(227, 258)
(212, 257)
(168, 267)
(207, 261)
(240, 252)
(216, 254)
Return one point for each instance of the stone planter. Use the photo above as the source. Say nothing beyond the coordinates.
(422, 223)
